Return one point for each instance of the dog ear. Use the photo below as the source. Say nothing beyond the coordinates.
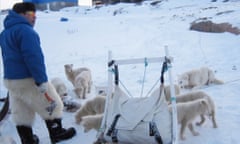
(204, 102)
(66, 65)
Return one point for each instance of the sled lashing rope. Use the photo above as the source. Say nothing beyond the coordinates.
(115, 71)
(153, 131)
(112, 131)
(144, 75)
(164, 69)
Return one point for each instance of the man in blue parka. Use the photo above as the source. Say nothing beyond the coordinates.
(26, 79)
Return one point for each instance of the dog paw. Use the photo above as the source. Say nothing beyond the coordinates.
(198, 123)
(78, 120)
(86, 130)
(196, 133)
(183, 137)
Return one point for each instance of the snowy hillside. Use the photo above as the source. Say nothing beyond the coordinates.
(143, 30)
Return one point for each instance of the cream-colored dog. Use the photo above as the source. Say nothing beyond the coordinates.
(91, 107)
(197, 78)
(71, 73)
(91, 122)
(82, 84)
(187, 112)
(59, 86)
(191, 96)
(81, 79)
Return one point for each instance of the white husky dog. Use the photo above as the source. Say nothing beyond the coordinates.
(69, 104)
(187, 112)
(91, 122)
(59, 86)
(82, 84)
(91, 107)
(72, 73)
(191, 96)
(81, 79)
(196, 78)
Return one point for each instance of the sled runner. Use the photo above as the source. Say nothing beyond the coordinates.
(4, 107)
(138, 120)
(4, 112)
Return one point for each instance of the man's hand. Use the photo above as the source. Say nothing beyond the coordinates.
(42, 88)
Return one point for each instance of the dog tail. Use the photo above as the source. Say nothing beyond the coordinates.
(217, 81)
(213, 79)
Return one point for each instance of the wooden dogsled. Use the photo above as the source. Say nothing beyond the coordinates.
(131, 120)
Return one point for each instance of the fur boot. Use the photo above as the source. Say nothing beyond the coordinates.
(26, 135)
(57, 132)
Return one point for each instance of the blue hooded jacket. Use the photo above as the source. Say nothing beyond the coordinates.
(21, 51)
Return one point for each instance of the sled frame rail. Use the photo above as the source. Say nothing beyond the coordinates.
(139, 60)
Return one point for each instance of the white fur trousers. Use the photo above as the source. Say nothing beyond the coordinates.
(26, 100)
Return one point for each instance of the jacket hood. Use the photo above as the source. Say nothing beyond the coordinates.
(14, 18)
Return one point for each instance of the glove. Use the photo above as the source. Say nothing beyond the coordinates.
(42, 88)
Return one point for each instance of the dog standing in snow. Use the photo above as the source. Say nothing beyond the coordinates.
(191, 96)
(197, 78)
(187, 112)
(92, 122)
(81, 79)
(83, 84)
(91, 107)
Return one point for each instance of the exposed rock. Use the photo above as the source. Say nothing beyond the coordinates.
(209, 26)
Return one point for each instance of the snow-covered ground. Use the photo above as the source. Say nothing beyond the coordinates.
(143, 30)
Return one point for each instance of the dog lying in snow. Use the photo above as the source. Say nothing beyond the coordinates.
(81, 79)
(191, 96)
(167, 91)
(91, 107)
(91, 122)
(69, 104)
(59, 86)
(197, 78)
(187, 112)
